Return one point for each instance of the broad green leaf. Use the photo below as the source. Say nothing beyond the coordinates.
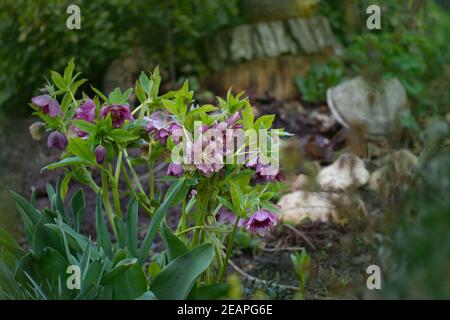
(264, 122)
(132, 222)
(147, 296)
(175, 191)
(85, 126)
(68, 71)
(8, 242)
(78, 206)
(81, 148)
(174, 246)
(65, 162)
(31, 213)
(129, 283)
(58, 80)
(212, 292)
(247, 116)
(175, 281)
(100, 94)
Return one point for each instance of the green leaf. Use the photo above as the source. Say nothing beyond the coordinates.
(147, 296)
(247, 116)
(68, 71)
(8, 242)
(122, 136)
(236, 196)
(129, 282)
(175, 191)
(27, 209)
(170, 106)
(81, 148)
(264, 122)
(78, 206)
(212, 292)
(99, 93)
(85, 126)
(65, 162)
(175, 281)
(65, 185)
(174, 246)
(58, 80)
(132, 222)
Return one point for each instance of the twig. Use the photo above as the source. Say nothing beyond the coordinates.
(282, 249)
(302, 235)
(257, 280)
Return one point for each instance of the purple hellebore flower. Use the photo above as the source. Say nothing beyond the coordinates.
(47, 104)
(85, 112)
(268, 172)
(57, 139)
(119, 113)
(161, 126)
(176, 132)
(234, 118)
(226, 216)
(261, 221)
(175, 169)
(100, 154)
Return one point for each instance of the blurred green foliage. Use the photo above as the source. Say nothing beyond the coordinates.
(412, 45)
(320, 77)
(417, 254)
(34, 39)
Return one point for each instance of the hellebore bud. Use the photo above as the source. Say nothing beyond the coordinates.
(37, 130)
(100, 154)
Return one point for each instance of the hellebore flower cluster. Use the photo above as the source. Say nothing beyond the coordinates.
(101, 137)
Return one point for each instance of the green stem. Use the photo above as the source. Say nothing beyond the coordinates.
(151, 180)
(115, 193)
(229, 247)
(134, 174)
(131, 188)
(106, 202)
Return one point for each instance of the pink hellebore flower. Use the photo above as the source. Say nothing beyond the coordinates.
(119, 113)
(85, 112)
(226, 216)
(175, 169)
(47, 104)
(261, 221)
(160, 125)
(268, 172)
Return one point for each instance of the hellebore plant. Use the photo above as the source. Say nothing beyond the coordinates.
(218, 153)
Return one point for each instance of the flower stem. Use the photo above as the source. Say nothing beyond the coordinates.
(229, 247)
(106, 203)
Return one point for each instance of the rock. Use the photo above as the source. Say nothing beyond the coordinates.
(124, 71)
(396, 167)
(300, 206)
(378, 106)
(347, 171)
